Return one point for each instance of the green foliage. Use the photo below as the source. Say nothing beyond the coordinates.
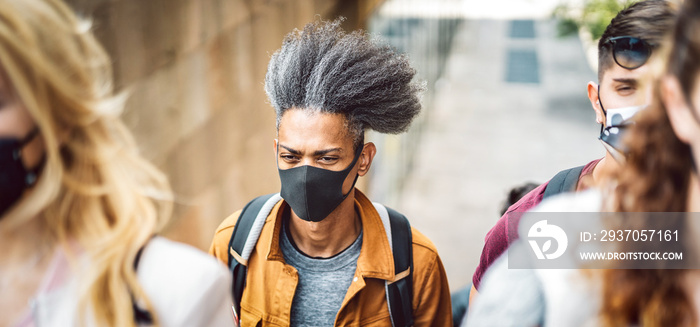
(594, 16)
(566, 27)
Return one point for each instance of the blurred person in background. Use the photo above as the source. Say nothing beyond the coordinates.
(515, 194)
(79, 206)
(460, 298)
(628, 43)
(324, 254)
(660, 175)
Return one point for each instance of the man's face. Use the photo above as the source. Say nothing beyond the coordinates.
(622, 87)
(315, 139)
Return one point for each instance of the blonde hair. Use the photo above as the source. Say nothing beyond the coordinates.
(95, 189)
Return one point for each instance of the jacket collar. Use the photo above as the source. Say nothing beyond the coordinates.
(376, 259)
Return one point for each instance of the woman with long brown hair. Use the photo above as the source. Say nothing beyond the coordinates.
(661, 175)
(79, 205)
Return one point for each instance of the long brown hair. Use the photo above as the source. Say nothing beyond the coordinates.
(656, 179)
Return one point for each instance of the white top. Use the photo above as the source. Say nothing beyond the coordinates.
(185, 286)
(544, 297)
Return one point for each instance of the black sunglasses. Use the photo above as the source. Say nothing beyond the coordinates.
(629, 52)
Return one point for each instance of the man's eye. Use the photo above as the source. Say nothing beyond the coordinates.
(328, 159)
(625, 89)
(288, 157)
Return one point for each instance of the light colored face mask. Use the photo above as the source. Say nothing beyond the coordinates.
(617, 122)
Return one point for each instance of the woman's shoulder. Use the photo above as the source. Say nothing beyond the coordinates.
(181, 259)
(164, 261)
(184, 284)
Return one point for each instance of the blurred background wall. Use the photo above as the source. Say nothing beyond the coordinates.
(195, 71)
(427, 40)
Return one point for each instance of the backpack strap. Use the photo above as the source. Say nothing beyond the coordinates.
(563, 181)
(399, 292)
(245, 236)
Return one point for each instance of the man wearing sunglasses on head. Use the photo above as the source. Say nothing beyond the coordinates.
(624, 51)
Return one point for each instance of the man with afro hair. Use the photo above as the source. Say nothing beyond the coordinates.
(325, 253)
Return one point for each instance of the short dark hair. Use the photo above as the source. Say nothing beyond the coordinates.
(323, 69)
(648, 20)
(517, 193)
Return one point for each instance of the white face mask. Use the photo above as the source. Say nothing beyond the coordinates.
(616, 122)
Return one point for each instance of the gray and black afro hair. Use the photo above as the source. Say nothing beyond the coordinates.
(324, 69)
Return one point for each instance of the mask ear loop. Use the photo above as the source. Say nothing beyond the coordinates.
(32, 134)
(605, 113)
(24, 141)
(354, 161)
(31, 177)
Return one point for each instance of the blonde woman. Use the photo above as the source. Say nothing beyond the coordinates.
(78, 205)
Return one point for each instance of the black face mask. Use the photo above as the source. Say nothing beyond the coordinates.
(14, 178)
(313, 193)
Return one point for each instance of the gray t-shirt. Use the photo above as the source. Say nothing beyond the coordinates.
(322, 282)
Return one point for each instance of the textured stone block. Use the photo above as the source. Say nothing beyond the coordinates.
(195, 70)
(219, 69)
(129, 50)
(197, 221)
(152, 113)
(232, 13)
(194, 108)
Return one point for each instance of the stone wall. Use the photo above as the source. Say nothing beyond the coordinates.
(195, 71)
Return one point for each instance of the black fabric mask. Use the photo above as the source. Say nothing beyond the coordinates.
(14, 178)
(313, 193)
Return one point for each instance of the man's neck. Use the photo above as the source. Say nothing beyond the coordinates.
(604, 167)
(329, 236)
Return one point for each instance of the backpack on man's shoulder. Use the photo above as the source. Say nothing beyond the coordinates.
(398, 293)
(564, 181)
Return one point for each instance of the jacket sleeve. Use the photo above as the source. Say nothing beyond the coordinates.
(431, 293)
(222, 236)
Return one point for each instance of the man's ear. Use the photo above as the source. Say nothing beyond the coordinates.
(595, 102)
(274, 148)
(684, 123)
(366, 158)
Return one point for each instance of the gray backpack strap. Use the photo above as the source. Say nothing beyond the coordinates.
(564, 181)
(245, 236)
(399, 292)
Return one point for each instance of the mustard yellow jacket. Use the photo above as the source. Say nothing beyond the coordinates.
(271, 283)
